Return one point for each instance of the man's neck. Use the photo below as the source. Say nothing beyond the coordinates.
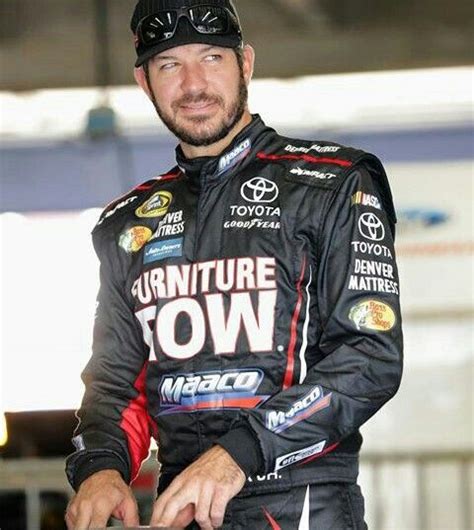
(191, 151)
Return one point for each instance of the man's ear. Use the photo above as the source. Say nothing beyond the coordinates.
(141, 80)
(249, 62)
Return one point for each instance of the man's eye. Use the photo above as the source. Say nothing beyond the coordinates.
(167, 66)
(212, 58)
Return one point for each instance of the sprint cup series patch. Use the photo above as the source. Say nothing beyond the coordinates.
(156, 206)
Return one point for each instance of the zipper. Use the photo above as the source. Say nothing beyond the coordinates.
(198, 219)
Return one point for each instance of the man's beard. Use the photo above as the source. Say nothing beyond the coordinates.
(209, 137)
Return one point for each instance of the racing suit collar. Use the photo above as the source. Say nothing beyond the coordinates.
(225, 164)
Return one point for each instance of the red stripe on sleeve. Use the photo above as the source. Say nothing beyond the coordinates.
(241, 403)
(306, 158)
(144, 187)
(272, 522)
(168, 176)
(290, 365)
(136, 424)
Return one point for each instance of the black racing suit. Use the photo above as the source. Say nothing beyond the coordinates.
(248, 300)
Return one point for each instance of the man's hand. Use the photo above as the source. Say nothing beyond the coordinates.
(201, 492)
(100, 496)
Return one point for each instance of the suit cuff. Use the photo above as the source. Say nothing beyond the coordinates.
(244, 448)
(86, 465)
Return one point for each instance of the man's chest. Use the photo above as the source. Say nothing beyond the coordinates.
(220, 263)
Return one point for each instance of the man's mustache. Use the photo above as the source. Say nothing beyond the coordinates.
(189, 99)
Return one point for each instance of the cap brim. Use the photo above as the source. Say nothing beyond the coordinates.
(224, 41)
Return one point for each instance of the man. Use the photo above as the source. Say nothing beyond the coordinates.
(248, 314)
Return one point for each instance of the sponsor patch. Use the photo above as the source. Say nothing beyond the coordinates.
(259, 190)
(133, 239)
(375, 276)
(230, 389)
(234, 157)
(172, 224)
(374, 268)
(371, 283)
(170, 248)
(296, 456)
(365, 199)
(372, 315)
(277, 420)
(253, 223)
(372, 249)
(314, 174)
(115, 209)
(156, 206)
(254, 216)
(315, 147)
(371, 227)
(239, 305)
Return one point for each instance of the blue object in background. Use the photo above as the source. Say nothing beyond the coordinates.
(87, 173)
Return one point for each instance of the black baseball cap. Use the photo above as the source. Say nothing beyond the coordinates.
(184, 31)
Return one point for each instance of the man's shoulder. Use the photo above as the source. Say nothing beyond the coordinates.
(321, 163)
(130, 201)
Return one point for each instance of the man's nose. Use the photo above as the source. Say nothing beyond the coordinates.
(194, 79)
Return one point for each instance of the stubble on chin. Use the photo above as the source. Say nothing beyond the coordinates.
(199, 128)
(201, 131)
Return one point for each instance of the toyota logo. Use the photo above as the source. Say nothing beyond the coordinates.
(371, 227)
(259, 189)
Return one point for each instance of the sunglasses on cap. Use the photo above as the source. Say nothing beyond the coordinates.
(205, 19)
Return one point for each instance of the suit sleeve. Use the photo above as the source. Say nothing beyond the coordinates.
(359, 346)
(114, 427)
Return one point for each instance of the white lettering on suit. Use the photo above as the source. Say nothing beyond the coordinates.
(195, 292)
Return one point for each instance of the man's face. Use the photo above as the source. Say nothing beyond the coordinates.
(199, 91)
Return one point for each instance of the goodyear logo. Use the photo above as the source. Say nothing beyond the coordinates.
(156, 206)
(372, 315)
(133, 239)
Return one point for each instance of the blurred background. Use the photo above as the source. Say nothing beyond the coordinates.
(394, 78)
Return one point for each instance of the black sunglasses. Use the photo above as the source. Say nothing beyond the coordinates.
(205, 19)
